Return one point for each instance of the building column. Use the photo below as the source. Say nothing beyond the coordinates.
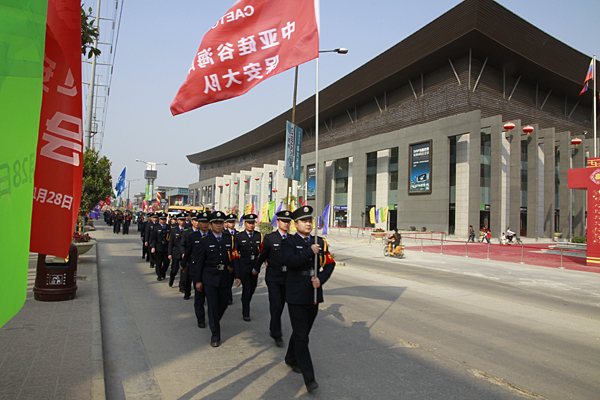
(533, 182)
(564, 196)
(514, 216)
(579, 195)
(549, 176)
(461, 213)
(382, 188)
(475, 180)
(350, 222)
(359, 187)
(497, 199)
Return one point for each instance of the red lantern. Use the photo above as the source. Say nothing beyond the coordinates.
(257, 178)
(509, 126)
(235, 183)
(220, 186)
(245, 180)
(227, 184)
(274, 190)
(576, 141)
(528, 129)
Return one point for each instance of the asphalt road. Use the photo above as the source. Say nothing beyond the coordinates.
(418, 328)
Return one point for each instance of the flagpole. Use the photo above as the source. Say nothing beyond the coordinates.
(594, 106)
(316, 167)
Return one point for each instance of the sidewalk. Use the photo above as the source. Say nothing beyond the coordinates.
(53, 350)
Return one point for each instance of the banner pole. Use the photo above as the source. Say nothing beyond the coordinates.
(316, 168)
(594, 107)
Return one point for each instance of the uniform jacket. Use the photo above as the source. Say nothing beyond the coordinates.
(175, 241)
(298, 256)
(148, 231)
(247, 246)
(203, 253)
(272, 254)
(159, 240)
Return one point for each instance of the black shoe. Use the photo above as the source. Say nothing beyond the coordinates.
(294, 368)
(171, 279)
(278, 341)
(230, 302)
(217, 343)
(312, 385)
(201, 325)
(247, 319)
(181, 290)
(159, 278)
(186, 297)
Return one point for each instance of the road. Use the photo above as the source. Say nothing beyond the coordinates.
(425, 327)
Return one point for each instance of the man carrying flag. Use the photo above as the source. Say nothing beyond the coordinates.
(254, 40)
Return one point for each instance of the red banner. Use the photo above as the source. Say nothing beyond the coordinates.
(253, 41)
(59, 160)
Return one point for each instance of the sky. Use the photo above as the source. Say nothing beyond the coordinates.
(157, 42)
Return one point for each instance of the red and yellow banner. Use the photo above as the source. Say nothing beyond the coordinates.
(254, 40)
(59, 161)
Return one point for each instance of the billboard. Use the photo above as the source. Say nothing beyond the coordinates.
(311, 183)
(419, 171)
(293, 151)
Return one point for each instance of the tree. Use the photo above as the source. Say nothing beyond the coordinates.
(88, 34)
(97, 181)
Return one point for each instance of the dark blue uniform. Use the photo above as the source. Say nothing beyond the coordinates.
(175, 251)
(210, 259)
(248, 247)
(192, 237)
(275, 278)
(160, 243)
(147, 239)
(300, 261)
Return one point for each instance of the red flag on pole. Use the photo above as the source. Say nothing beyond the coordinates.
(59, 161)
(253, 41)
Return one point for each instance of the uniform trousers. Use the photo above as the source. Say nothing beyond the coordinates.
(162, 261)
(249, 283)
(302, 317)
(276, 304)
(216, 298)
(126, 228)
(185, 282)
(144, 251)
(175, 264)
(117, 227)
(199, 300)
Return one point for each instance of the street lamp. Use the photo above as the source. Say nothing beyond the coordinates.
(150, 174)
(128, 181)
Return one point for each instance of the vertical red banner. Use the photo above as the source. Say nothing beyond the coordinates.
(593, 212)
(59, 160)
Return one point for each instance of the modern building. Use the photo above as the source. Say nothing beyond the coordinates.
(418, 135)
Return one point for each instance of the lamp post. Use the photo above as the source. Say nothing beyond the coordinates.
(128, 182)
(340, 50)
(151, 177)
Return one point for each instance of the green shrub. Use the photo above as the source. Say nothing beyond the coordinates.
(265, 227)
(579, 239)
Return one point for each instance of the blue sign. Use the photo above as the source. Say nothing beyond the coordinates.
(293, 151)
(420, 168)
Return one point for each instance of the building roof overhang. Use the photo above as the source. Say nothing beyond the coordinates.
(483, 27)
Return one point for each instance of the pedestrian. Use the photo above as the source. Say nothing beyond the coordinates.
(299, 253)
(186, 273)
(275, 275)
(488, 236)
(212, 257)
(248, 244)
(159, 246)
(230, 222)
(126, 222)
(153, 220)
(142, 229)
(175, 253)
(471, 234)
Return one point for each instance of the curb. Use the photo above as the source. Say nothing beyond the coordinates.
(98, 390)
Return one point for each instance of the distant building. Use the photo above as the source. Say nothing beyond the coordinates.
(417, 135)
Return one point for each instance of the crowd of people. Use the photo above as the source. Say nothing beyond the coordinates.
(211, 257)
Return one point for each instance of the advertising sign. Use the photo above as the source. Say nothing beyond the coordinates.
(311, 183)
(293, 151)
(419, 171)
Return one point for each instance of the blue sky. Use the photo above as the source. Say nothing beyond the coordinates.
(158, 40)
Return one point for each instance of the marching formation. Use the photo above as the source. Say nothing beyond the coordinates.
(210, 257)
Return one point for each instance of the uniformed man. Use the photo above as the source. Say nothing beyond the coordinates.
(126, 222)
(212, 256)
(153, 220)
(160, 246)
(248, 244)
(142, 229)
(116, 222)
(175, 253)
(230, 222)
(186, 276)
(299, 253)
(188, 222)
(275, 276)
